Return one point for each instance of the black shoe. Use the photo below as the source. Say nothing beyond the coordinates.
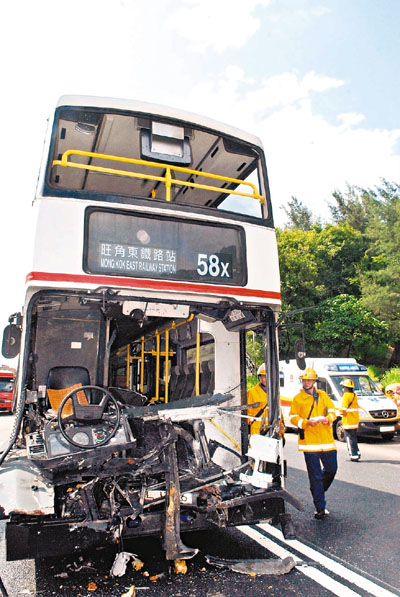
(320, 513)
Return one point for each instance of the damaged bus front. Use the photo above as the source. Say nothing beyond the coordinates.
(131, 403)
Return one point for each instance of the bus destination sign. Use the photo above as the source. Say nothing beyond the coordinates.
(122, 244)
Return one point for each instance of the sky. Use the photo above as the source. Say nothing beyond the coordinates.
(317, 80)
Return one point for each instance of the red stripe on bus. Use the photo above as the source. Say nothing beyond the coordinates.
(150, 284)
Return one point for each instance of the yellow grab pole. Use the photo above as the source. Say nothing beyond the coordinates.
(157, 364)
(128, 366)
(168, 179)
(197, 364)
(166, 365)
(142, 368)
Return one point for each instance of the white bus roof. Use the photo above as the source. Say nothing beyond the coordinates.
(149, 108)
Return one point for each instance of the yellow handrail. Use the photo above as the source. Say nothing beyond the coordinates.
(142, 341)
(166, 368)
(197, 364)
(157, 364)
(167, 179)
(128, 366)
(225, 434)
(167, 353)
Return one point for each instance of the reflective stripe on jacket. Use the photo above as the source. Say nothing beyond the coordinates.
(349, 410)
(320, 437)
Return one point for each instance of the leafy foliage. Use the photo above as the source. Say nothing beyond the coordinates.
(346, 327)
(391, 376)
(374, 372)
(345, 276)
(353, 208)
(299, 216)
(380, 283)
(252, 380)
(255, 349)
(320, 263)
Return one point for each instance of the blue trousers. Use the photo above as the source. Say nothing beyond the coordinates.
(352, 444)
(321, 468)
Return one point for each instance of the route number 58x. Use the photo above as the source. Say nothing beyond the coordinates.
(211, 264)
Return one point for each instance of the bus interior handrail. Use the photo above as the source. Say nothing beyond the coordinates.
(168, 180)
(167, 353)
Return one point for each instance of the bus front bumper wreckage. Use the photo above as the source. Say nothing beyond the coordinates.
(157, 478)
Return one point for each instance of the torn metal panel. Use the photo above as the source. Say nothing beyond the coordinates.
(195, 407)
(266, 452)
(155, 309)
(173, 545)
(254, 567)
(24, 490)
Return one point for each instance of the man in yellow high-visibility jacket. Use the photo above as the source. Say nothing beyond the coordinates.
(350, 418)
(258, 394)
(313, 413)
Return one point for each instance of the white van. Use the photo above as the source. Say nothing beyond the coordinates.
(379, 415)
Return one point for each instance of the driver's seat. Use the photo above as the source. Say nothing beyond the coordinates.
(61, 381)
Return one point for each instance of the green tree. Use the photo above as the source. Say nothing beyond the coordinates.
(341, 255)
(358, 255)
(345, 327)
(299, 216)
(320, 263)
(380, 281)
(255, 351)
(299, 268)
(255, 348)
(318, 266)
(353, 207)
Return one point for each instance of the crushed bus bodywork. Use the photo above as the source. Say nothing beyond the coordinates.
(154, 254)
(99, 455)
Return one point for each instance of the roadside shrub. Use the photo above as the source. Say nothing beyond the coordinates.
(374, 372)
(391, 376)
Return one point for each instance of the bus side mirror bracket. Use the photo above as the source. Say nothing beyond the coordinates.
(299, 345)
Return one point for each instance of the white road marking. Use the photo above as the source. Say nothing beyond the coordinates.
(317, 575)
(332, 565)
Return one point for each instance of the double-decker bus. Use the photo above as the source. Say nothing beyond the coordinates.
(154, 254)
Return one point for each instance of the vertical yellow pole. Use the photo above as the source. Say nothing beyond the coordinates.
(197, 365)
(168, 184)
(128, 366)
(157, 364)
(166, 373)
(142, 368)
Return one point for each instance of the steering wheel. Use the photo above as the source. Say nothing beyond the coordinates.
(90, 414)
